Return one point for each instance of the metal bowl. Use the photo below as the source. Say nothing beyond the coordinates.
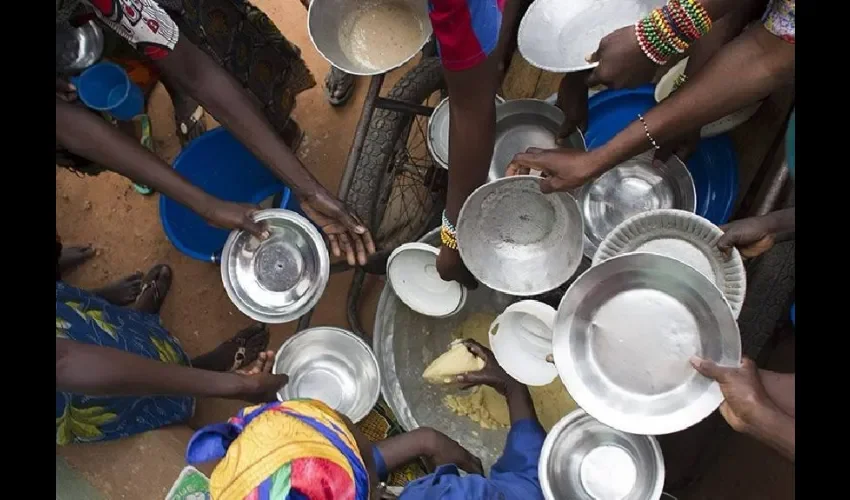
(584, 459)
(517, 240)
(405, 342)
(438, 132)
(624, 334)
(369, 37)
(278, 279)
(557, 36)
(633, 187)
(523, 124)
(332, 365)
(78, 48)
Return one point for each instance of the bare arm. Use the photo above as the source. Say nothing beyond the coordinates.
(781, 390)
(89, 136)
(429, 443)
(405, 448)
(96, 370)
(757, 61)
(86, 134)
(775, 429)
(520, 405)
(472, 131)
(218, 92)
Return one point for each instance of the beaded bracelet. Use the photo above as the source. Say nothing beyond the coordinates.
(448, 239)
(448, 233)
(447, 224)
(648, 135)
(671, 29)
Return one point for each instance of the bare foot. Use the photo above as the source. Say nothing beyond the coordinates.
(122, 292)
(155, 287)
(72, 257)
(236, 353)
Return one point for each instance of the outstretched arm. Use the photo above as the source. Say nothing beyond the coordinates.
(96, 370)
(757, 61)
(86, 134)
(219, 93)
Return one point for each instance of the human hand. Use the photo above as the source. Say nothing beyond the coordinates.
(741, 386)
(492, 374)
(451, 268)
(346, 234)
(683, 147)
(228, 215)
(444, 450)
(752, 236)
(65, 90)
(622, 63)
(572, 99)
(563, 169)
(259, 385)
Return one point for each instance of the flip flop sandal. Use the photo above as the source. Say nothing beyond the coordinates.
(154, 285)
(186, 126)
(144, 123)
(239, 358)
(338, 101)
(150, 284)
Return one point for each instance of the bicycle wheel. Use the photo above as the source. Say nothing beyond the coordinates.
(396, 186)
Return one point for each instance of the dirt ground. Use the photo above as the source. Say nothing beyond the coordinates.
(125, 228)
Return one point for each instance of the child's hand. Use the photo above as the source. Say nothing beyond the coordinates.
(492, 374)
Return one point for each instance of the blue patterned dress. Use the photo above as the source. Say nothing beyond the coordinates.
(83, 317)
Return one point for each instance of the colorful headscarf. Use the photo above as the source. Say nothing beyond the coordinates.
(294, 450)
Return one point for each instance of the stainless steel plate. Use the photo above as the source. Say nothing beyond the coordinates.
(405, 342)
(438, 132)
(332, 365)
(523, 124)
(633, 187)
(517, 240)
(686, 237)
(584, 459)
(624, 334)
(557, 36)
(368, 37)
(278, 279)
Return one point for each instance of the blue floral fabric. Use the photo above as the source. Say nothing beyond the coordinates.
(83, 317)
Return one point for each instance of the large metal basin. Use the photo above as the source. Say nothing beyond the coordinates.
(405, 342)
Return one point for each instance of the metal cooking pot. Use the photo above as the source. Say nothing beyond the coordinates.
(368, 37)
(78, 48)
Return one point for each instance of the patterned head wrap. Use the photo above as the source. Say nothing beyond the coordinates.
(294, 450)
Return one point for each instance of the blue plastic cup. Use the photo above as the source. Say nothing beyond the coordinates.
(106, 87)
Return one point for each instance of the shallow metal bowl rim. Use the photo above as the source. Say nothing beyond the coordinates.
(428, 33)
(376, 393)
(417, 245)
(609, 247)
(322, 257)
(597, 408)
(430, 141)
(573, 418)
(505, 180)
(529, 18)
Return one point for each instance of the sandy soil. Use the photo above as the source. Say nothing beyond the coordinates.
(125, 228)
